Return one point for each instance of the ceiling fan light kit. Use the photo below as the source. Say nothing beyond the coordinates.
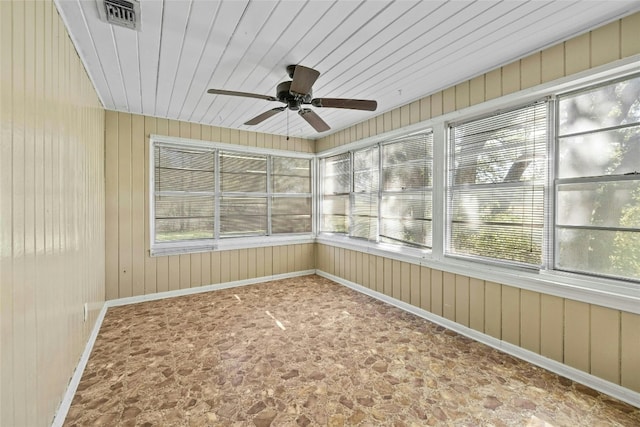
(298, 92)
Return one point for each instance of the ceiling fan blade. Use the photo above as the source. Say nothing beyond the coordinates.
(245, 94)
(264, 116)
(313, 119)
(303, 79)
(352, 104)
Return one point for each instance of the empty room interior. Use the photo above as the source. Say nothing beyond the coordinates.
(306, 213)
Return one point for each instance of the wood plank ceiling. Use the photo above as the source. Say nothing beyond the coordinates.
(392, 51)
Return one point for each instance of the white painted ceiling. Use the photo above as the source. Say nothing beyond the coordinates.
(392, 51)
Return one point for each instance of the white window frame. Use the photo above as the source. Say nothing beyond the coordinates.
(609, 292)
(218, 242)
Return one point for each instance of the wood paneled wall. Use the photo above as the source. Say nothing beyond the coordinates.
(598, 340)
(617, 40)
(51, 211)
(130, 270)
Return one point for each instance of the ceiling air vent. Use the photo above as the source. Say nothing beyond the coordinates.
(125, 13)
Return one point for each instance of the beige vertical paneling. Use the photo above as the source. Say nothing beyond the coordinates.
(605, 44)
(224, 266)
(234, 265)
(629, 40)
(576, 335)
(425, 108)
(300, 258)
(436, 104)
(493, 84)
(449, 100)
(291, 259)
(493, 309)
(395, 120)
(462, 95)
(243, 264)
(150, 272)
(353, 266)
(511, 78)
(476, 90)
(436, 292)
(405, 282)
(124, 206)
(268, 261)
(366, 270)
(414, 112)
(476, 304)
(415, 285)
(138, 197)
(185, 270)
(380, 276)
(511, 314)
(52, 204)
(205, 268)
(630, 351)
(552, 63)
(530, 71)
(530, 320)
(388, 277)
(577, 54)
(462, 299)
(359, 267)
(605, 343)
(195, 276)
(162, 274)
(405, 115)
(215, 267)
(260, 262)
(449, 295)
(111, 200)
(551, 327)
(425, 288)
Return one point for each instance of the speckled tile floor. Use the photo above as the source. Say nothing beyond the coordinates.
(306, 351)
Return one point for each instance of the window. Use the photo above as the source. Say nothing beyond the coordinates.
(184, 194)
(336, 185)
(204, 193)
(290, 195)
(366, 180)
(393, 207)
(406, 191)
(597, 187)
(497, 178)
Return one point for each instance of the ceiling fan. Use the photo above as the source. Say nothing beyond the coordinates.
(296, 93)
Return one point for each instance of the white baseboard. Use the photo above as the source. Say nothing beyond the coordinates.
(63, 409)
(629, 396)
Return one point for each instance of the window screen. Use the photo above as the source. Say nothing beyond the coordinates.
(364, 200)
(406, 191)
(497, 177)
(598, 181)
(336, 184)
(290, 195)
(184, 181)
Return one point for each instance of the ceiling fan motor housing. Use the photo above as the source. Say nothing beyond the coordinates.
(293, 101)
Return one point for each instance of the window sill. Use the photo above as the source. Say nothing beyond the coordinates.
(616, 294)
(230, 243)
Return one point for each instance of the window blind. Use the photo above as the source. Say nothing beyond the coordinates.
(364, 201)
(184, 181)
(336, 186)
(290, 195)
(497, 177)
(406, 196)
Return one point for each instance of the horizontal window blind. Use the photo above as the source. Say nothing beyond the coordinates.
(364, 200)
(241, 172)
(290, 195)
(184, 181)
(497, 177)
(336, 187)
(407, 167)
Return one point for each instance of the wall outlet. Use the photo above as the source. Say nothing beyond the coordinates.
(86, 311)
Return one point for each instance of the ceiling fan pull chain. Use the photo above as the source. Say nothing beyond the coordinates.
(287, 124)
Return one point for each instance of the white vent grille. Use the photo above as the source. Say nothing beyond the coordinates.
(125, 13)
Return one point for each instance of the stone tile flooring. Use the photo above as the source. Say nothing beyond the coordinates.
(307, 352)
